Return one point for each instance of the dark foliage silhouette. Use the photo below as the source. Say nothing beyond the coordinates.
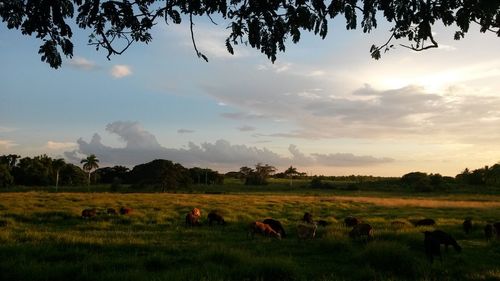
(264, 25)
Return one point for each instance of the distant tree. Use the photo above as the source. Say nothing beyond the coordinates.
(6, 179)
(160, 173)
(46, 161)
(476, 177)
(90, 163)
(493, 175)
(7, 164)
(321, 182)
(316, 182)
(9, 160)
(57, 164)
(233, 174)
(264, 170)
(115, 174)
(205, 176)
(291, 172)
(417, 180)
(34, 171)
(258, 176)
(463, 177)
(246, 171)
(72, 175)
(436, 180)
(264, 25)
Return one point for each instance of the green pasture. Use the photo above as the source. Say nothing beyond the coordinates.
(43, 237)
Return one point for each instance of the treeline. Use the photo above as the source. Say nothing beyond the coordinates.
(45, 171)
(39, 171)
(487, 176)
(481, 176)
(163, 175)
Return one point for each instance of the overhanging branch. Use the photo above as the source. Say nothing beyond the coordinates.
(198, 53)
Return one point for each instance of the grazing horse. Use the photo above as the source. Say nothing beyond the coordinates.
(467, 225)
(307, 218)
(351, 221)
(423, 222)
(262, 228)
(360, 230)
(89, 213)
(214, 216)
(276, 226)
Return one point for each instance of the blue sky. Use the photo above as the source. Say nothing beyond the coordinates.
(325, 106)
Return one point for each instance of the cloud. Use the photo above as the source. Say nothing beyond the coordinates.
(335, 159)
(243, 116)
(82, 63)
(141, 147)
(121, 70)
(263, 141)
(317, 73)
(52, 145)
(184, 131)
(6, 144)
(133, 134)
(246, 128)
(410, 112)
(299, 157)
(276, 67)
(281, 67)
(348, 160)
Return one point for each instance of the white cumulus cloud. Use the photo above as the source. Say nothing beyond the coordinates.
(121, 70)
(141, 147)
(82, 63)
(133, 134)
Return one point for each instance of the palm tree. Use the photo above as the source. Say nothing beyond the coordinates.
(57, 164)
(89, 164)
(291, 172)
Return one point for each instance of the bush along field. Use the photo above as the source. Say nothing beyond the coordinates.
(44, 237)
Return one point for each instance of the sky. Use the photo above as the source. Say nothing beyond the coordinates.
(325, 106)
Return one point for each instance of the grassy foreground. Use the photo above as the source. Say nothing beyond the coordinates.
(42, 237)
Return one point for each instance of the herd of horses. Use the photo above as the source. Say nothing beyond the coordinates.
(306, 229)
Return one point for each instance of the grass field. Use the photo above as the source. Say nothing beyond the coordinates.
(43, 237)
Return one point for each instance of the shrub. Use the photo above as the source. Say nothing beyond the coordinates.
(317, 182)
(418, 181)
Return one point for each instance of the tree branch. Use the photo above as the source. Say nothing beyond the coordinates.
(488, 29)
(418, 49)
(208, 15)
(198, 53)
(375, 51)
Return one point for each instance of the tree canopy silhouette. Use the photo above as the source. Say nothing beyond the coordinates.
(264, 25)
(90, 163)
